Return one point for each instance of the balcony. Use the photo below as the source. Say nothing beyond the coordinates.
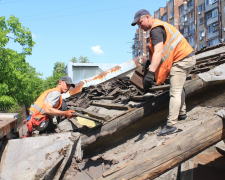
(191, 20)
(211, 20)
(212, 35)
(190, 8)
(211, 6)
(183, 13)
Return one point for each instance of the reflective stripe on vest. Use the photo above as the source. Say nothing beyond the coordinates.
(39, 108)
(172, 46)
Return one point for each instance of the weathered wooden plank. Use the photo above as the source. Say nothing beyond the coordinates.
(135, 98)
(62, 166)
(112, 106)
(103, 97)
(210, 53)
(96, 115)
(87, 117)
(111, 171)
(161, 87)
(177, 150)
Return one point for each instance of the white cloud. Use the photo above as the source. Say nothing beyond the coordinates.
(97, 50)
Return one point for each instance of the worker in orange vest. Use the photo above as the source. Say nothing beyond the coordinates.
(171, 55)
(48, 104)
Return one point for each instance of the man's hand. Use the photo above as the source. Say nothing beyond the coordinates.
(68, 113)
(145, 65)
(148, 81)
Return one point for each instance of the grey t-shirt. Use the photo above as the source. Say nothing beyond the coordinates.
(53, 98)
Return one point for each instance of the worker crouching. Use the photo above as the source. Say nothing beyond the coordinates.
(48, 104)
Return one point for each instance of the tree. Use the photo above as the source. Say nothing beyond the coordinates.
(19, 82)
(74, 60)
(58, 72)
(59, 67)
(81, 60)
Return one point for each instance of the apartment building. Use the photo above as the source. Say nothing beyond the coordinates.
(202, 22)
(208, 23)
(187, 18)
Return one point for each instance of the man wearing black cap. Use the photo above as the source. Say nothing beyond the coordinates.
(48, 104)
(170, 56)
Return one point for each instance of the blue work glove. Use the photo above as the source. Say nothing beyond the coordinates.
(145, 65)
(148, 81)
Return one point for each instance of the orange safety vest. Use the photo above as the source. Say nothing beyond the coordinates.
(38, 109)
(175, 48)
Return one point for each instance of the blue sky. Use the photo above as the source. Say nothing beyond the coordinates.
(98, 29)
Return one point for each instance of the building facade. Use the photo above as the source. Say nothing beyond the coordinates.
(202, 22)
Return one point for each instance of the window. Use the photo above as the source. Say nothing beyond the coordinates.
(191, 3)
(172, 23)
(165, 18)
(191, 39)
(171, 14)
(214, 12)
(207, 2)
(213, 42)
(191, 14)
(214, 1)
(185, 7)
(191, 27)
(186, 29)
(201, 7)
(201, 46)
(181, 9)
(209, 15)
(201, 20)
(215, 27)
(209, 29)
(185, 18)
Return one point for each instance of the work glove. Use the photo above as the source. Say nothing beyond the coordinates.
(145, 65)
(68, 113)
(148, 81)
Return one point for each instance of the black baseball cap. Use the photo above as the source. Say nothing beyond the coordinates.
(138, 15)
(68, 80)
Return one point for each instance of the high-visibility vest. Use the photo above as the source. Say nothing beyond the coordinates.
(175, 48)
(38, 109)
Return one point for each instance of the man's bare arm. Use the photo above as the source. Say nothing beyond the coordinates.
(52, 111)
(156, 57)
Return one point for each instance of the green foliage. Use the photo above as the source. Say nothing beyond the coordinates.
(81, 60)
(59, 67)
(53, 80)
(19, 82)
(74, 60)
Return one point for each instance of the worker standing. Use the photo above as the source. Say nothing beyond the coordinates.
(171, 55)
(48, 104)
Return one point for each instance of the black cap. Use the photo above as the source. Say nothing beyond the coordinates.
(138, 15)
(68, 80)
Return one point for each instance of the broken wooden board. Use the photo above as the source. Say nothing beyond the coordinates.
(173, 152)
(112, 106)
(28, 158)
(210, 53)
